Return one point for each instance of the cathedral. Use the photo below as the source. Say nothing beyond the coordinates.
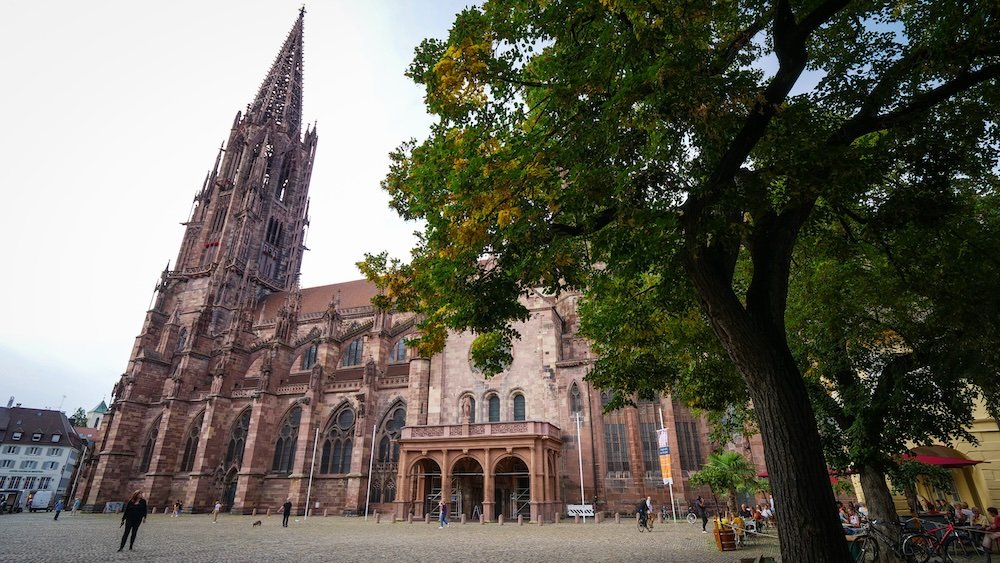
(245, 388)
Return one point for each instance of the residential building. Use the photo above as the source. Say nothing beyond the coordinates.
(38, 452)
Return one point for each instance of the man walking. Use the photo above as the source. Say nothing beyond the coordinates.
(286, 511)
(703, 512)
(59, 508)
(216, 511)
(443, 517)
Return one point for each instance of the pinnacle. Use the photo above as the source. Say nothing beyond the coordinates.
(280, 96)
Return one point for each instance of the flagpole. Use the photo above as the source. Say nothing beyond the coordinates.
(673, 504)
(312, 466)
(371, 463)
(579, 451)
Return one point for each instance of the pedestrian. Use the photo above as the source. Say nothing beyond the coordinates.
(215, 511)
(286, 511)
(443, 516)
(59, 508)
(177, 509)
(133, 515)
(76, 506)
(699, 503)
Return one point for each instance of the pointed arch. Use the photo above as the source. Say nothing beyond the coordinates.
(338, 442)
(398, 354)
(353, 353)
(390, 429)
(616, 447)
(238, 438)
(149, 444)
(309, 356)
(288, 437)
(575, 400)
(193, 438)
(387, 436)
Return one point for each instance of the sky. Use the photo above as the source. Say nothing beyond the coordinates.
(115, 111)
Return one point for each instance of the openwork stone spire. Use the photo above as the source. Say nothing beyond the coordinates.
(280, 96)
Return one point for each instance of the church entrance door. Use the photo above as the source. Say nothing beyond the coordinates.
(512, 492)
(467, 481)
(425, 484)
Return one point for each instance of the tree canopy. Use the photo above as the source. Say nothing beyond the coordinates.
(664, 158)
(79, 418)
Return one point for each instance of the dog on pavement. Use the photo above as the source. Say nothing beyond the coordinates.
(257, 523)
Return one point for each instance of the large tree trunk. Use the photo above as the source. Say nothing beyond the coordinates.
(808, 526)
(880, 506)
(804, 504)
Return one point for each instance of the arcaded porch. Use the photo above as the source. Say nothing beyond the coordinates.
(493, 468)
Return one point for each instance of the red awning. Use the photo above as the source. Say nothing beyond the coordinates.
(948, 462)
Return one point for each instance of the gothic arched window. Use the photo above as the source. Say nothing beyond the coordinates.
(649, 420)
(284, 447)
(352, 356)
(494, 408)
(575, 402)
(309, 357)
(238, 439)
(615, 439)
(191, 444)
(148, 446)
(519, 406)
(398, 352)
(389, 433)
(337, 443)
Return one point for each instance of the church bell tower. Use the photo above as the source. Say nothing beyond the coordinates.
(243, 241)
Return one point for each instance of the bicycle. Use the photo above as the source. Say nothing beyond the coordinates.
(950, 545)
(867, 545)
(642, 522)
(692, 516)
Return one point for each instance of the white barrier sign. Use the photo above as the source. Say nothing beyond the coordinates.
(580, 509)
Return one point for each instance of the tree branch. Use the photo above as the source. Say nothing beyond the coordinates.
(862, 124)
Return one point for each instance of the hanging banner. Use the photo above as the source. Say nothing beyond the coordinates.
(664, 450)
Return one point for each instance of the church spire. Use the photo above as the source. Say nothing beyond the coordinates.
(280, 95)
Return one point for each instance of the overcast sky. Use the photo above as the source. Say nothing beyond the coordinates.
(113, 114)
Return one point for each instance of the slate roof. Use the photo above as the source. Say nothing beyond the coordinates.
(36, 421)
(357, 293)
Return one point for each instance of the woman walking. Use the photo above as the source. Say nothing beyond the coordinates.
(132, 517)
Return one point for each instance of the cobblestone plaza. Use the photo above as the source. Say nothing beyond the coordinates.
(38, 538)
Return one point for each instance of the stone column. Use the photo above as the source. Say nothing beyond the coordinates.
(489, 487)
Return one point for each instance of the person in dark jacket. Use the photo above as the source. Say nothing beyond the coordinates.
(134, 514)
(286, 511)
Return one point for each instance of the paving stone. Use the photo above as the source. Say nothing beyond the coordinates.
(95, 537)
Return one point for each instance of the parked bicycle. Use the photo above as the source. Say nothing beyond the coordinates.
(948, 543)
(872, 538)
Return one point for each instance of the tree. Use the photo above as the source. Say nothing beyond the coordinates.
(893, 316)
(727, 473)
(79, 418)
(672, 153)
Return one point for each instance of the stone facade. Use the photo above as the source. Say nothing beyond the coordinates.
(245, 388)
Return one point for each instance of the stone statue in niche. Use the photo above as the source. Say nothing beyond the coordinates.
(316, 377)
(466, 410)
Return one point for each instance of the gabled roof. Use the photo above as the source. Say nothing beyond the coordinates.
(36, 421)
(100, 409)
(357, 293)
